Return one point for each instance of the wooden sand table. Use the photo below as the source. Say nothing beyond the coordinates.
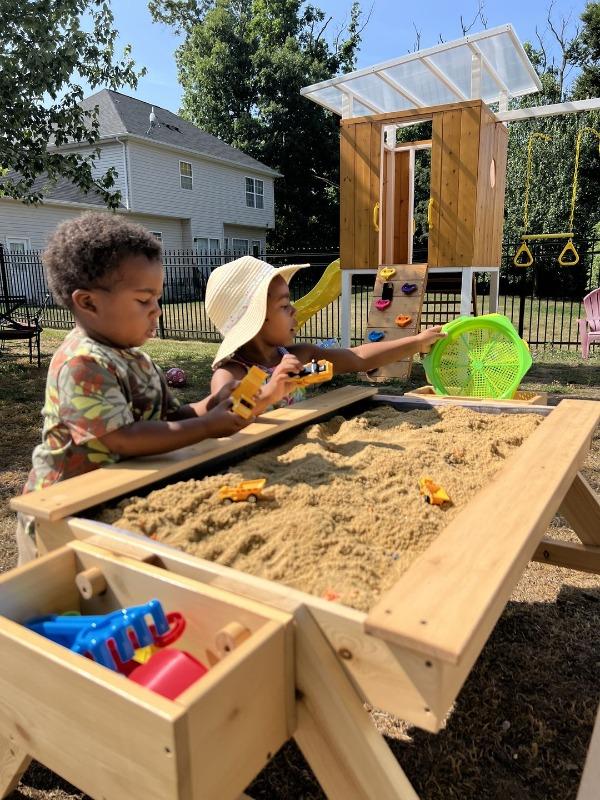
(341, 516)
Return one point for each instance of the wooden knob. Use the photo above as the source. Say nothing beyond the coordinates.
(90, 582)
(230, 637)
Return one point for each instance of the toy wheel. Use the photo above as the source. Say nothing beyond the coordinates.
(227, 501)
(252, 498)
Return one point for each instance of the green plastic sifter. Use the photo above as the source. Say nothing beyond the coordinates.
(480, 357)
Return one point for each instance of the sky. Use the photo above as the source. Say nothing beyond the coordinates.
(390, 32)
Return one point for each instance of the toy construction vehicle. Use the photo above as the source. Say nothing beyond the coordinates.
(315, 372)
(246, 490)
(433, 492)
(243, 396)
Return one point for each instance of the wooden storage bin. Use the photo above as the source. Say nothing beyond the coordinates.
(115, 739)
(521, 397)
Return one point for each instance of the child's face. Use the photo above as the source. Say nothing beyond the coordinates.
(279, 327)
(124, 311)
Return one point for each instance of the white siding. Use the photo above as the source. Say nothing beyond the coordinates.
(111, 155)
(38, 223)
(218, 196)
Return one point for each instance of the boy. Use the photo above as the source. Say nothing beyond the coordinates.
(105, 399)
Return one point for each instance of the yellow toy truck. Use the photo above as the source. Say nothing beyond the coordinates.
(243, 396)
(315, 372)
(433, 492)
(246, 490)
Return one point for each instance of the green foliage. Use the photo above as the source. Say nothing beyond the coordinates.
(44, 50)
(242, 65)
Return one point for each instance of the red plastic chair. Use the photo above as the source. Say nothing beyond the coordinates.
(589, 328)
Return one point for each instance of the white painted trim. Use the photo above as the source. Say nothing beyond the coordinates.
(489, 67)
(190, 176)
(17, 240)
(411, 202)
(448, 83)
(397, 87)
(475, 76)
(554, 109)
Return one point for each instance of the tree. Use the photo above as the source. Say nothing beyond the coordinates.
(242, 65)
(45, 52)
(588, 54)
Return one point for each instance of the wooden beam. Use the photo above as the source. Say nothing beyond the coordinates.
(552, 110)
(450, 598)
(588, 788)
(412, 114)
(581, 508)
(585, 558)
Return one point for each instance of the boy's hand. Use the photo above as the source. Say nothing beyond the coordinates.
(429, 337)
(221, 421)
(222, 394)
(282, 380)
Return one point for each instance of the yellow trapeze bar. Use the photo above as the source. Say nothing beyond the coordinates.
(533, 236)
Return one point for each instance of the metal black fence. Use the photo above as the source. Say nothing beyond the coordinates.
(543, 301)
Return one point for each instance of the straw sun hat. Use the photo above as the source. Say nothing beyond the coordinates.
(236, 300)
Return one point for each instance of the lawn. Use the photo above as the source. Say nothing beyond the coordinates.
(514, 733)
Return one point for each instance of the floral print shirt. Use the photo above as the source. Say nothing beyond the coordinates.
(93, 389)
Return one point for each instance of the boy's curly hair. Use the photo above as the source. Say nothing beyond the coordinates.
(85, 250)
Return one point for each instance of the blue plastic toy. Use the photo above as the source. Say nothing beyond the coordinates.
(90, 635)
(375, 336)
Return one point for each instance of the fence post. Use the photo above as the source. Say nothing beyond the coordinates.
(522, 298)
(4, 277)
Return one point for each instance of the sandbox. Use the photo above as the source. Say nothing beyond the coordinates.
(409, 655)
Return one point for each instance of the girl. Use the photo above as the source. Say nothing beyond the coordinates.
(249, 302)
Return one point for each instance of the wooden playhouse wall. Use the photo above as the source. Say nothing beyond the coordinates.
(467, 212)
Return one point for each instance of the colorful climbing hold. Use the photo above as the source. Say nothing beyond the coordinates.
(375, 336)
(382, 304)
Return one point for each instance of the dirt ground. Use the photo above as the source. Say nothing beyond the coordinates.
(521, 725)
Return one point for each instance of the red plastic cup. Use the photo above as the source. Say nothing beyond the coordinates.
(169, 672)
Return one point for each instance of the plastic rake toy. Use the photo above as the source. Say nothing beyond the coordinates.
(480, 357)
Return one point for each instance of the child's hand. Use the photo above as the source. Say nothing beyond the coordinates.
(222, 394)
(429, 337)
(282, 382)
(221, 421)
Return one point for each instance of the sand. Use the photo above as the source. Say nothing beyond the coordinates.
(341, 516)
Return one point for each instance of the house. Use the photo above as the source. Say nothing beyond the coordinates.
(189, 188)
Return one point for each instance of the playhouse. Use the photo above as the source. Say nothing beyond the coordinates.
(284, 663)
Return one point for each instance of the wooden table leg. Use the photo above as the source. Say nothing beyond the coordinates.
(588, 788)
(344, 749)
(14, 760)
(581, 508)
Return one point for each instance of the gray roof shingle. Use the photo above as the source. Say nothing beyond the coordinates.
(120, 114)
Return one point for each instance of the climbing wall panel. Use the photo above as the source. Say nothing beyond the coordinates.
(384, 319)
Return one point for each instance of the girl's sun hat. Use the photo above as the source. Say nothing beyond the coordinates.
(236, 300)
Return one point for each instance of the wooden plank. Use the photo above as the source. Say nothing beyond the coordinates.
(347, 148)
(411, 401)
(527, 398)
(437, 144)
(585, 558)
(375, 191)
(499, 194)
(363, 208)
(581, 508)
(485, 193)
(14, 761)
(335, 733)
(414, 114)
(450, 598)
(419, 143)
(449, 185)
(590, 780)
(467, 185)
(84, 491)
(401, 207)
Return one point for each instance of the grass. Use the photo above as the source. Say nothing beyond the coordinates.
(521, 724)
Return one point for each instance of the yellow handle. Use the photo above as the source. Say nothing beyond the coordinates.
(568, 248)
(376, 216)
(429, 212)
(523, 251)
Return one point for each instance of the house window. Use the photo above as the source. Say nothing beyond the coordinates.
(157, 235)
(240, 247)
(185, 175)
(255, 193)
(208, 247)
(256, 247)
(17, 245)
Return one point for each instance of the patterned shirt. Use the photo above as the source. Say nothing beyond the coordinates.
(91, 390)
(295, 396)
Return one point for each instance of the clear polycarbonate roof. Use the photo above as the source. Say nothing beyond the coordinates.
(491, 66)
